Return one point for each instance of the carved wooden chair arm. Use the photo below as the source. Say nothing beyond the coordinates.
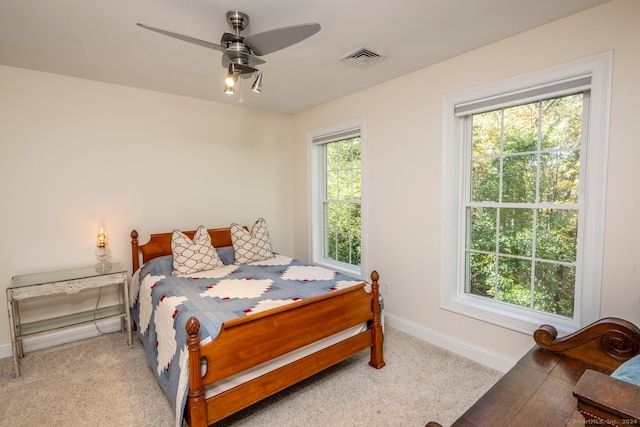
(606, 399)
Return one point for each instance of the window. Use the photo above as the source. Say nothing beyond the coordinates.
(336, 196)
(522, 203)
(523, 210)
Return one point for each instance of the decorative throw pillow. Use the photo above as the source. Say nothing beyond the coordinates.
(226, 255)
(251, 246)
(629, 371)
(191, 256)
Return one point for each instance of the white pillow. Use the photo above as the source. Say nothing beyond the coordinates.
(193, 256)
(254, 246)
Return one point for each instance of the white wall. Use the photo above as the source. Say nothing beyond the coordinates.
(70, 148)
(73, 152)
(404, 159)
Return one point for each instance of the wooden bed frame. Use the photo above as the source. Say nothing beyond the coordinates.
(249, 341)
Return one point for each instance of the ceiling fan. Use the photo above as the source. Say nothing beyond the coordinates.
(240, 54)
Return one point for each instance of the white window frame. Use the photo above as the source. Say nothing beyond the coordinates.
(594, 162)
(315, 138)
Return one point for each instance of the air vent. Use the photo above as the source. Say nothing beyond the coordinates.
(362, 57)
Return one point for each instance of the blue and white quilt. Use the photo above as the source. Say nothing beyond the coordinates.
(162, 303)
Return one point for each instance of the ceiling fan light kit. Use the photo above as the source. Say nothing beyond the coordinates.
(257, 84)
(232, 76)
(240, 54)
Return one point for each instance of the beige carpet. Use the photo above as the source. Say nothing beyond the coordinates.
(103, 382)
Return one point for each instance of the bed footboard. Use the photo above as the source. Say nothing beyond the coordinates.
(249, 341)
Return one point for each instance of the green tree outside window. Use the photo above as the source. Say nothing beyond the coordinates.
(522, 211)
(342, 212)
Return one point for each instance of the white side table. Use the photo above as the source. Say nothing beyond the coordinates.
(64, 282)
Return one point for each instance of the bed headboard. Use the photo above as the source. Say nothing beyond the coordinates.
(160, 244)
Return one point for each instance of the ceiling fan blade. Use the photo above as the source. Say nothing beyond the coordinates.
(184, 38)
(273, 40)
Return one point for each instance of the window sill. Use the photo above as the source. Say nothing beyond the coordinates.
(506, 315)
(341, 268)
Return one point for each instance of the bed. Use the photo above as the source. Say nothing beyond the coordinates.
(246, 357)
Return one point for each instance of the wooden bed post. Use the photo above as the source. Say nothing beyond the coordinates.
(376, 360)
(134, 251)
(196, 404)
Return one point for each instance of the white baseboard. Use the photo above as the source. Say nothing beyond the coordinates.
(476, 354)
(62, 336)
(469, 351)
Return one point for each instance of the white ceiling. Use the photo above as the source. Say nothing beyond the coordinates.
(99, 40)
